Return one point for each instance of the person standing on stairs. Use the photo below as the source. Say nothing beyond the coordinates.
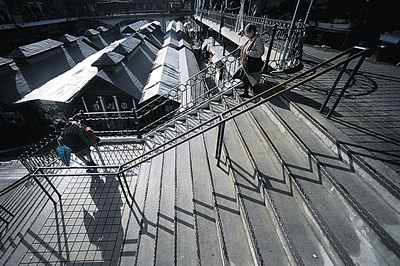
(250, 58)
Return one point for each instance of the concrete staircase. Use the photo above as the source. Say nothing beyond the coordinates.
(281, 194)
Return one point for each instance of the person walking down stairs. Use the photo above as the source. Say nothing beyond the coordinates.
(73, 136)
(250, 58)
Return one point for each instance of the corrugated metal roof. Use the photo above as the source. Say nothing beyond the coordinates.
(36, 48)
(139, 35)
(175, 26)
(133, 27)
(14, 85)
(5, 61)
(101, 29)
(108, 59)
(130, 78)
(97, 42)
(67, 38)
(165, 74)
(63, 87)
(128, 46)
(91, 32)
(79, 51)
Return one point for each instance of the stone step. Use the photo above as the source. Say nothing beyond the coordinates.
(311, 183)
(375, 205)
(268, 246)
(232, 232)
(307, 245)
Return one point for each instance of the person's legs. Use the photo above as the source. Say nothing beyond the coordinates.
(246, 86)
(85, 156)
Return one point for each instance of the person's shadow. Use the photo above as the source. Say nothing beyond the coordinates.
(104, 226)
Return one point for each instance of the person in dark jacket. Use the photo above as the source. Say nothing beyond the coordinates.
(73, 136)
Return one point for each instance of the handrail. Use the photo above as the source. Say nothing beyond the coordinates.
(174, 91)
(237, 107)
(191, 133)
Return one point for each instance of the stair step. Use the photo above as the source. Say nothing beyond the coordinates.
(206, 226)
(376, 209)
(328, 205)
(228, 213)
(262, 232)
(186, 247)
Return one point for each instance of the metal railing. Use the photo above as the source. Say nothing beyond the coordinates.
(192, 130)
(285, 41)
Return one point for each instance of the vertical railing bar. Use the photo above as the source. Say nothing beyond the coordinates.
(342, 70)
(123, 189)
(44, 190)
(51, 184)
(353, 73)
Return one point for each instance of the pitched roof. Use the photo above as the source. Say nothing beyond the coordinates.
(131, 78)
(36, 48)
(102, 29)
(133, 27)
(5, 61)
(67, 38)
(108, 59)
(127, 46)
(91, 32)
(65, 86)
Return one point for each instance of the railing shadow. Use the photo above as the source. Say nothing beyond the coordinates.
(104, 225)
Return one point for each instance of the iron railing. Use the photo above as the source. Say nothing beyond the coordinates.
(145, 152)
(286, 39)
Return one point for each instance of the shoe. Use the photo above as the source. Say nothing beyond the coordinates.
(91, 170)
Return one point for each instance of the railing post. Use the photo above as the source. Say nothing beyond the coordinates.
(220, 137)
(321, 110)
(51, 184)
(123, 189)
(353, 73)
(136, 120)
(44, 190)
(271, 44)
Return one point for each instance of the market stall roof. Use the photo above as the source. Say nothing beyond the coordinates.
(101, 29)
(97, 42)
(63, 87)
(79, 51)
(133, 27)
(165, 74)
(108, 59)
(130, 78)
(155, 37)
(128, 46)
(176, 41)
(14, 85)
(188, 67)
(36, 48)
(67, 38)
(174, 25)
(91, 32)
(5, 61)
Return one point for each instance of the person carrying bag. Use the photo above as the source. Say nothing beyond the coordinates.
(79, 138)
(250, 58)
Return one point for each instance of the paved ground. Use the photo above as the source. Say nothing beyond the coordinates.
(89, 226)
